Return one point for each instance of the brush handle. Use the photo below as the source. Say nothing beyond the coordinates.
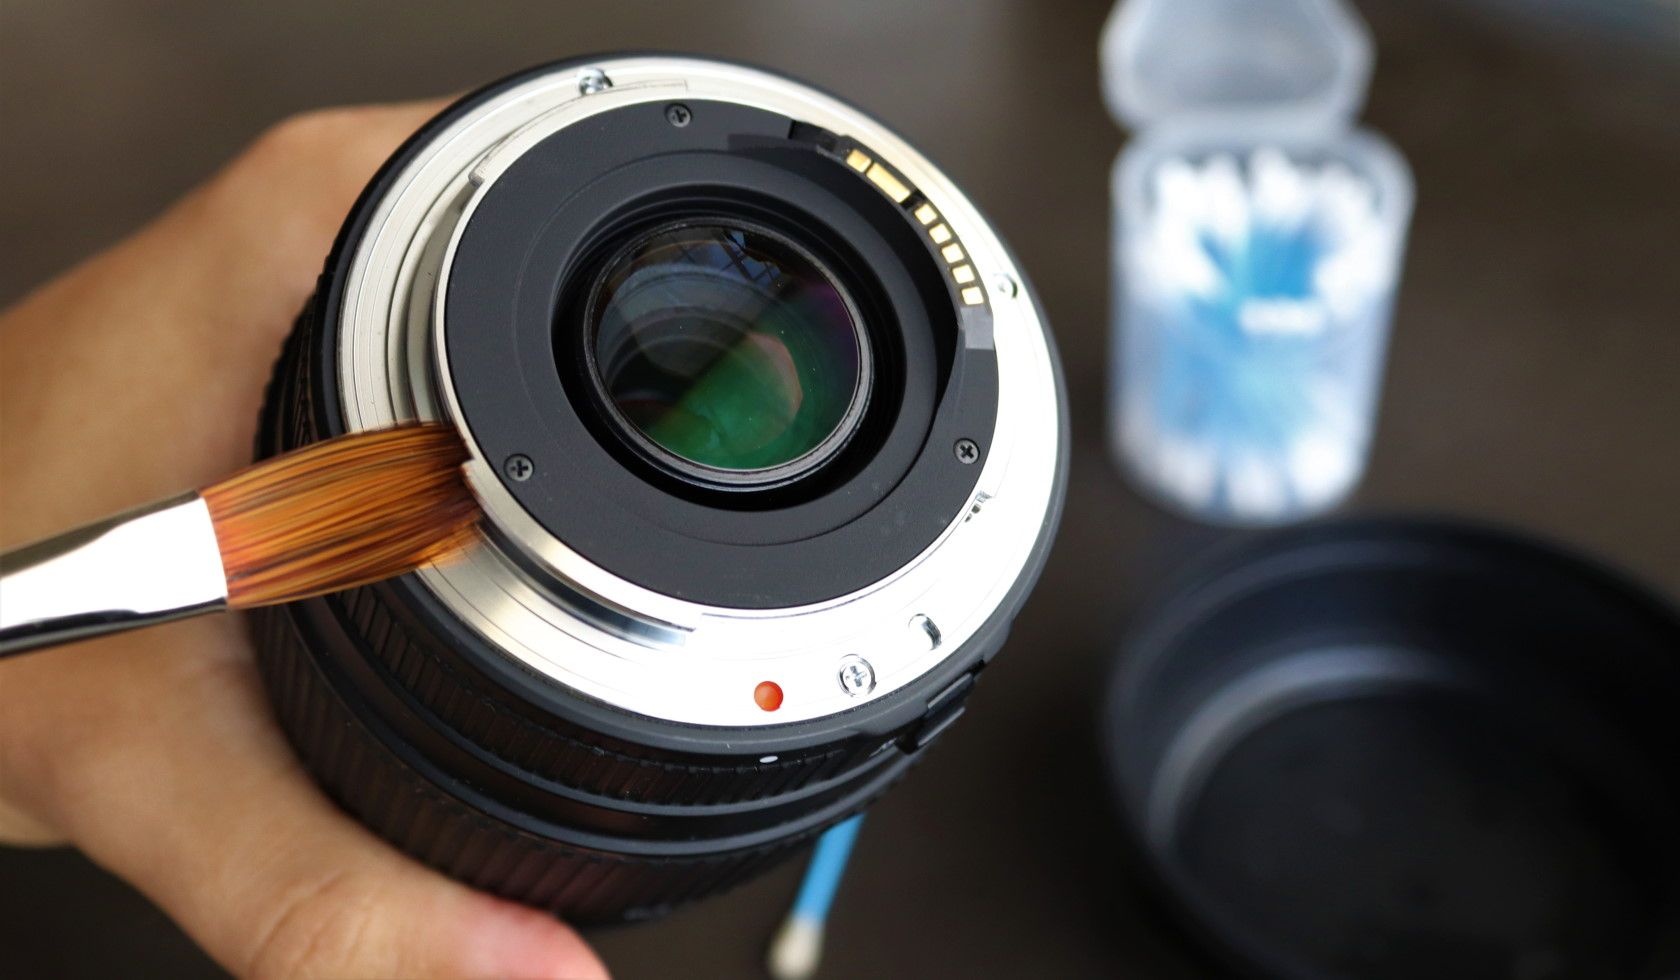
(147, 566)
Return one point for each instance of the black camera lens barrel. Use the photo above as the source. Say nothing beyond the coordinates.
(643, 687)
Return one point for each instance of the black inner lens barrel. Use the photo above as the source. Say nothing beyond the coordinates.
(728, 351)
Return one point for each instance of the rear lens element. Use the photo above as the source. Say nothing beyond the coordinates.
(730, 350)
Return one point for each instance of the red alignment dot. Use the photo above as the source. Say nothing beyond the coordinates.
(768, 694)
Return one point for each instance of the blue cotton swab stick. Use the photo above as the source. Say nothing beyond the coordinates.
(797, 947)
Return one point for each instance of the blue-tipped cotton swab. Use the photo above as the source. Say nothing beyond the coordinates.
(797, 947)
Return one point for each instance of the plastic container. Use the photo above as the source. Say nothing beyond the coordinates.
(1257, 246)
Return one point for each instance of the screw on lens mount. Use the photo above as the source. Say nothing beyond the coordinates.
(519, 467)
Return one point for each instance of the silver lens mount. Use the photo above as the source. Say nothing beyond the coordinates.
(541, 603)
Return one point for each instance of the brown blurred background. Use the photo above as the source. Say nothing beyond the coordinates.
(1534, 377)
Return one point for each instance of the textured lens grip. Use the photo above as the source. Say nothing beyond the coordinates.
(399, 805)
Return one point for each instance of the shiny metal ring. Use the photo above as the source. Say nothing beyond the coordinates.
(599, 634)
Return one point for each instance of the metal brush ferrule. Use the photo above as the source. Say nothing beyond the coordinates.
(148, 566)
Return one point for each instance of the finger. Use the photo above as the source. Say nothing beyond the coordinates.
(160, 761)
(174, 330)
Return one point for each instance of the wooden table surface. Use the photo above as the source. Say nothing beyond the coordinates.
(1534, 376)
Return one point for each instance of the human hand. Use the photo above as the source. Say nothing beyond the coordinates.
(134, 376)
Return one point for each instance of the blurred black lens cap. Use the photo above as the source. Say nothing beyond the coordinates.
(1407, 748)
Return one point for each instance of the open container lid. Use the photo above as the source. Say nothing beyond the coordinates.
(1300, 63)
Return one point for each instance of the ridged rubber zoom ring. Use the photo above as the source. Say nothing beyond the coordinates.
(372, 784)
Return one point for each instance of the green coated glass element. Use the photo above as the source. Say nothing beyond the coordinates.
(728, 347)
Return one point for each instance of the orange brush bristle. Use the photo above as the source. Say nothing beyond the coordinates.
(342, 513)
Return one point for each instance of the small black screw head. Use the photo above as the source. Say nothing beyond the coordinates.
(519, 467)
(678, 115)
(968, 451)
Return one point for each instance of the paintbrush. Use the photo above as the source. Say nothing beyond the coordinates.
(327, 517)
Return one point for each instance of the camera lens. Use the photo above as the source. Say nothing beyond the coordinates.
(769, 437)
(728, 351)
